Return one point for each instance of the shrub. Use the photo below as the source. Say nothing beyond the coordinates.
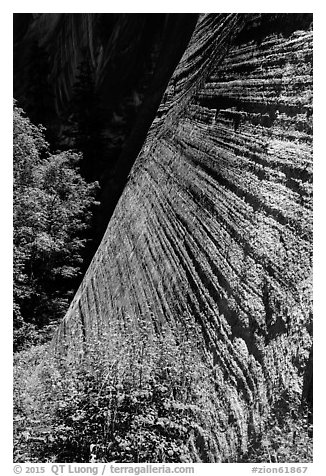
(130, 398)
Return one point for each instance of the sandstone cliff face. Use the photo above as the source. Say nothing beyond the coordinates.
(215, 222)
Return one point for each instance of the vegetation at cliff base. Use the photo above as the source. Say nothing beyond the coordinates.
(135, 396)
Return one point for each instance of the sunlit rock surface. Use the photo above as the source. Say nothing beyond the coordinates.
(215, 222)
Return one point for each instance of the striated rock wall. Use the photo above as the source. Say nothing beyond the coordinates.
(215, 223)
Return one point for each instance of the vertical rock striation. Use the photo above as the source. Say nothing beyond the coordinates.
(215, 222)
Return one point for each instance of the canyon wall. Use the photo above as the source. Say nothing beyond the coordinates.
(215, 222)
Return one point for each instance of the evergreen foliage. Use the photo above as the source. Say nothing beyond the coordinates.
(84, 122)
(52, 209)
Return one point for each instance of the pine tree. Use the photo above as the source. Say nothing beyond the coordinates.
(85, 122)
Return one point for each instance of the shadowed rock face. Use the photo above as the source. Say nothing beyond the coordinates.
(215, 222)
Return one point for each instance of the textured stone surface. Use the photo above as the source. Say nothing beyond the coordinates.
(215, 223)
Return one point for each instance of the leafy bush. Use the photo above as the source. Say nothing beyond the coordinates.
(134, 397)
(52, 209)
